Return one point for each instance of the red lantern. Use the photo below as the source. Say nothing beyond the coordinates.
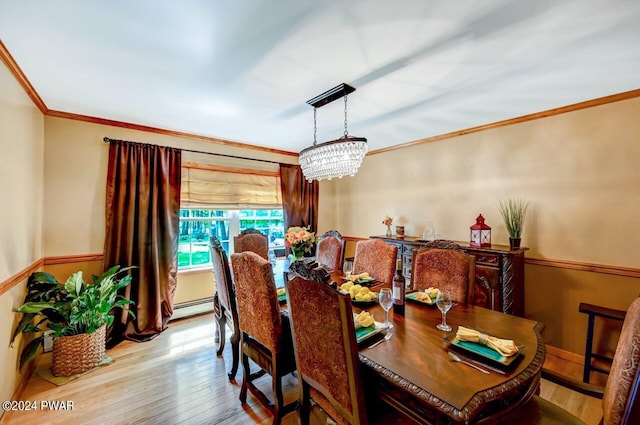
(480, 234)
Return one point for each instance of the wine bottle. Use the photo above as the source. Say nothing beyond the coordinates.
(398, 289)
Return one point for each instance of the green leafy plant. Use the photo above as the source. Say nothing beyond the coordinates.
(514, 212)
(72, 308)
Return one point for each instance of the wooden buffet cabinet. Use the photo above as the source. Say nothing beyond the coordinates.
(499, 281)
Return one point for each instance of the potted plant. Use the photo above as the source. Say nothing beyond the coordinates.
(78, 313)
(514, 212)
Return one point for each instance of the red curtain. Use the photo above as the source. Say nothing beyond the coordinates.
(142, 213)
(299, 198)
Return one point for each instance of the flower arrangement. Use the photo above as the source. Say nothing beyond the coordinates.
(388, 221)
(300, 240)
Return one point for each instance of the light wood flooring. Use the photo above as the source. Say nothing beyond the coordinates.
(177, 379)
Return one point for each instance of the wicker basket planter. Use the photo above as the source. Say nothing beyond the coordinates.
(78, 353)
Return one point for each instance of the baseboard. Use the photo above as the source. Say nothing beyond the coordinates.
(193, 308)
(564, 354)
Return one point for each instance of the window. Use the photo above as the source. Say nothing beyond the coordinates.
(197, 225)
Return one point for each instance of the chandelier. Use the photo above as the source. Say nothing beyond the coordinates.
(337, 158)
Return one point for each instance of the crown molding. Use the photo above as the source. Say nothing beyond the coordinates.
(13, 67)
(530, 117)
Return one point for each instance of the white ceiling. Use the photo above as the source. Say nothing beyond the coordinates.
(243, 70)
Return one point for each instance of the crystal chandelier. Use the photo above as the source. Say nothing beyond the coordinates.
(337, 158)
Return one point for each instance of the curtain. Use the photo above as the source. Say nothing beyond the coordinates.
(299, 198)
(142, 212)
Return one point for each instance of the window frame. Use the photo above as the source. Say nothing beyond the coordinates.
(234, 218)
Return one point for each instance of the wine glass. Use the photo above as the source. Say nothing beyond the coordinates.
(444, 303)
(347, 268)
(386, 302)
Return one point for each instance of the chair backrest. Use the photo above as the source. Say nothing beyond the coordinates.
(330, 250)
(619, 400)
(377, 258)
(222, 274)
(444, 268)
(258, 307)
(252, 240)
(326, 349)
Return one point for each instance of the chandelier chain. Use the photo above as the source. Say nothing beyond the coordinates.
(346, 133)
(315, 125)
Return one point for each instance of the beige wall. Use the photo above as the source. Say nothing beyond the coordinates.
(22, 198)
(579, 171)
(197, 285)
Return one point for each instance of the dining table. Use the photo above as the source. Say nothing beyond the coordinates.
(414, 372)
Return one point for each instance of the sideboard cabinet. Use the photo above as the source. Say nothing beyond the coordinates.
(499, 283)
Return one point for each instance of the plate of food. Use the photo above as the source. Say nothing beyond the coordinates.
(282, 295)
(360, 295)
(362, 279)
(428, 296)
(366, 326)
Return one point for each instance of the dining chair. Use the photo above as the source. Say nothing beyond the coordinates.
(330, 250)
(265, 335)
(225, 307)
(329, 373)
(619, 403)
(252, 240)
(377, 258)
(446, 266)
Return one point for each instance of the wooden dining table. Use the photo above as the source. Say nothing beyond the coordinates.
(414, 373)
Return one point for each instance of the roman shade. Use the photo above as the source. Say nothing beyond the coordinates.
(215, 189)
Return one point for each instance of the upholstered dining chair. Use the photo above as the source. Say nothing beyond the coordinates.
(252, 240)
(619, 403)
(225, 307)
(444, 266)
(329, 373)
(330, 250)
(265, 335)
(377, 258)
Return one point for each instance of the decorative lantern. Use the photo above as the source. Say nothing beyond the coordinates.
(480, 234)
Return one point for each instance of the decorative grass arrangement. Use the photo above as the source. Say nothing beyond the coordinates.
(514, 212)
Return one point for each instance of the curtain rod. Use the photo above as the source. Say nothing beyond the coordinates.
(107, 140)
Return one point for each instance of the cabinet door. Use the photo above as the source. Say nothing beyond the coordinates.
(486, 288)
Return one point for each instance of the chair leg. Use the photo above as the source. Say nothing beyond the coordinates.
(278, 398)
(235, 350)
(304, 408)
(586, 374)
(246, 372)
(221, 322)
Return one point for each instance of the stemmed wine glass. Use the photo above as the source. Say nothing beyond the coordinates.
(347, 268)
(386, 302)
(444, 303)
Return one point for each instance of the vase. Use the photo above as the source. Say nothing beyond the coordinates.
(514, 243)
(296, 253)
(389, 234)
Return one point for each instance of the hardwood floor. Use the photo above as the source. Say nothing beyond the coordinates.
(177, 379)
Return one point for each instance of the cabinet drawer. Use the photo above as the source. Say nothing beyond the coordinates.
(486, 259)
